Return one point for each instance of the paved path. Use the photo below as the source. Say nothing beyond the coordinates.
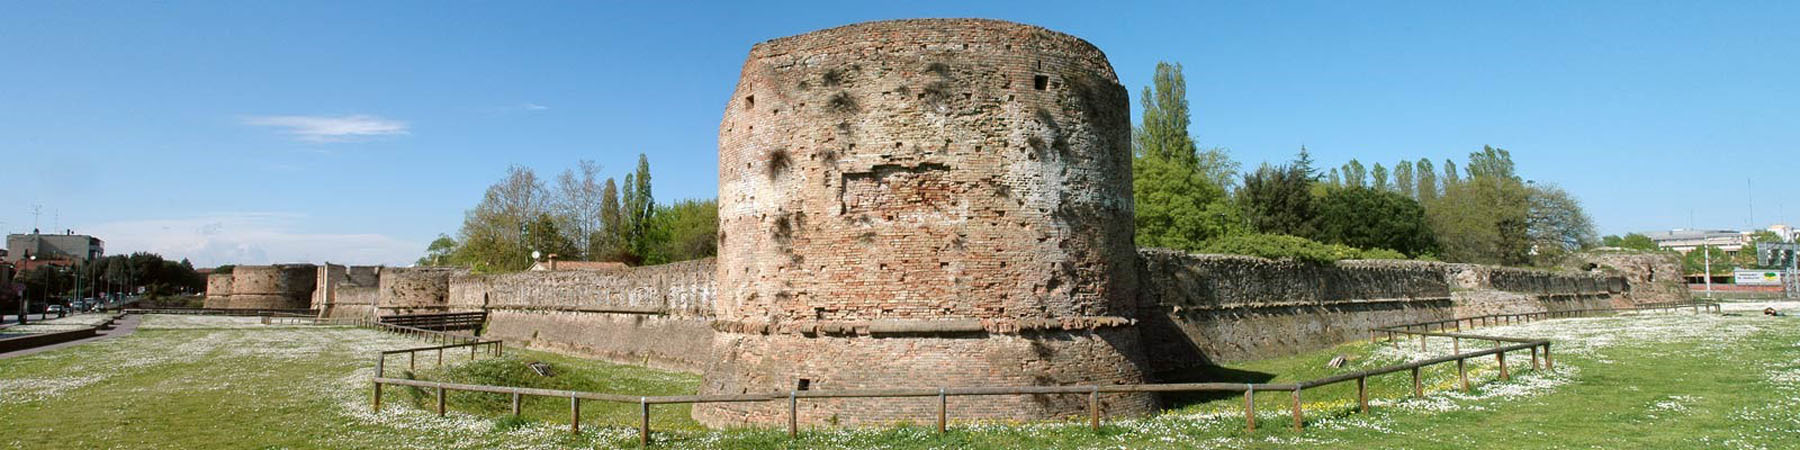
(124, 326)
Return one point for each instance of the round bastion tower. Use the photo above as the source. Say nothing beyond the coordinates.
(925, 203)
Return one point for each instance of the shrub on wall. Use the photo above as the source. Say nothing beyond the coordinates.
(1275, 246)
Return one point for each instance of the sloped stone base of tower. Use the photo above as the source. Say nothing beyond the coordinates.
(755, 363)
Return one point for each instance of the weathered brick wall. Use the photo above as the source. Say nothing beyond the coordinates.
(218, 291)
(940, 178)
(414, 290)
(654, 315)
(281, 286)
(1204, 309)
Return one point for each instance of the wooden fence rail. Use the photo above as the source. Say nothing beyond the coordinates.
(1499, 349)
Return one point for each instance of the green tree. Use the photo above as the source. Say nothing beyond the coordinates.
(1428, 187)
(1380, 177)
(1403, 179)
(1367, 218)
(1557, 224)
(441, 252)
(1355, 175)
(1278, 200)
(1304, 163)
(1485, 219)
(1179, 191)
(1177, 207)
(1696, 261)
(1164, 130)
(493, 234)
(1335, 179)
(610, 246)
(639, 208)
(690, 230)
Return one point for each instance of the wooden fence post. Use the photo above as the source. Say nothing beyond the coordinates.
(1094, 408)
(1418, 388)
(377, 396)
(515, 403)
(793, 414)
(574, 414)
(1462, 373)
(1501, 358)
(1296, 408)
(943, 407)
(1250, 407)
(643, 422)
(1548, 363)
(440, 401)
(1534, 358)
(1362, 393)
(412, 361)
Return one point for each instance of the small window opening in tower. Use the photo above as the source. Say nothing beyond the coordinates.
(1040, 82)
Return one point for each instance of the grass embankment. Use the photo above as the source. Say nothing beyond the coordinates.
(1663, 381)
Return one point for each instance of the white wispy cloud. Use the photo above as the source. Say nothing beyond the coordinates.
(251, 238)
(533, 107)
(331, 128)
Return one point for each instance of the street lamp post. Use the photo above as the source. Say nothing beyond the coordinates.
(25, 300)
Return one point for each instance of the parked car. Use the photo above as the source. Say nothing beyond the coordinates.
(54, 309)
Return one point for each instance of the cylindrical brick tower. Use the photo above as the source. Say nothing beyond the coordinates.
(281, 286)
(925, 203)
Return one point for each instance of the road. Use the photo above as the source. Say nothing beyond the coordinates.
(122, 327)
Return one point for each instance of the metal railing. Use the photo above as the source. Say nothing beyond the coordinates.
(1499, 350)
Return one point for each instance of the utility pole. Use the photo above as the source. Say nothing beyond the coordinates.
(1707, 272)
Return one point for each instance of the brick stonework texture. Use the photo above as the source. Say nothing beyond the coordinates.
(924, 203)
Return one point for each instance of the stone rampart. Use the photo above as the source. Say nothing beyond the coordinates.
(1647, 277)
(281, 286)
(654, 315)
(414, 290)
(218, 291)
(1204, 309)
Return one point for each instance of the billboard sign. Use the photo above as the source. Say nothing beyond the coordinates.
(1757, 277)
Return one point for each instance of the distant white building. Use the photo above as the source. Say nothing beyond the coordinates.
(1685, 240)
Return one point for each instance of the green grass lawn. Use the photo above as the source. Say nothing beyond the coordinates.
(1662, 381)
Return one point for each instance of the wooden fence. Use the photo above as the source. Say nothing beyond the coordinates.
(1540, 359)
(440, 321)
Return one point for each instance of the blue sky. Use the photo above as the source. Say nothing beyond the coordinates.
(356, 132)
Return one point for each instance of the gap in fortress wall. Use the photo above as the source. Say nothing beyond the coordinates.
(934, 203)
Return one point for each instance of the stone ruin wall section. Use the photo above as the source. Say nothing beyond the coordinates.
(1207, 309)
(218, 291)
(654, 315)
(281, 286)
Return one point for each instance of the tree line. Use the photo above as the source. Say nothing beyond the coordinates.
(125, 274)
(1195, 199)
(577, 217)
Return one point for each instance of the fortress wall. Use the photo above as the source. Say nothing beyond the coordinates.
(1644, 277)
(414, 290)
(654, 315)
(218, 291)
(281, 286)
(1205, 309)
